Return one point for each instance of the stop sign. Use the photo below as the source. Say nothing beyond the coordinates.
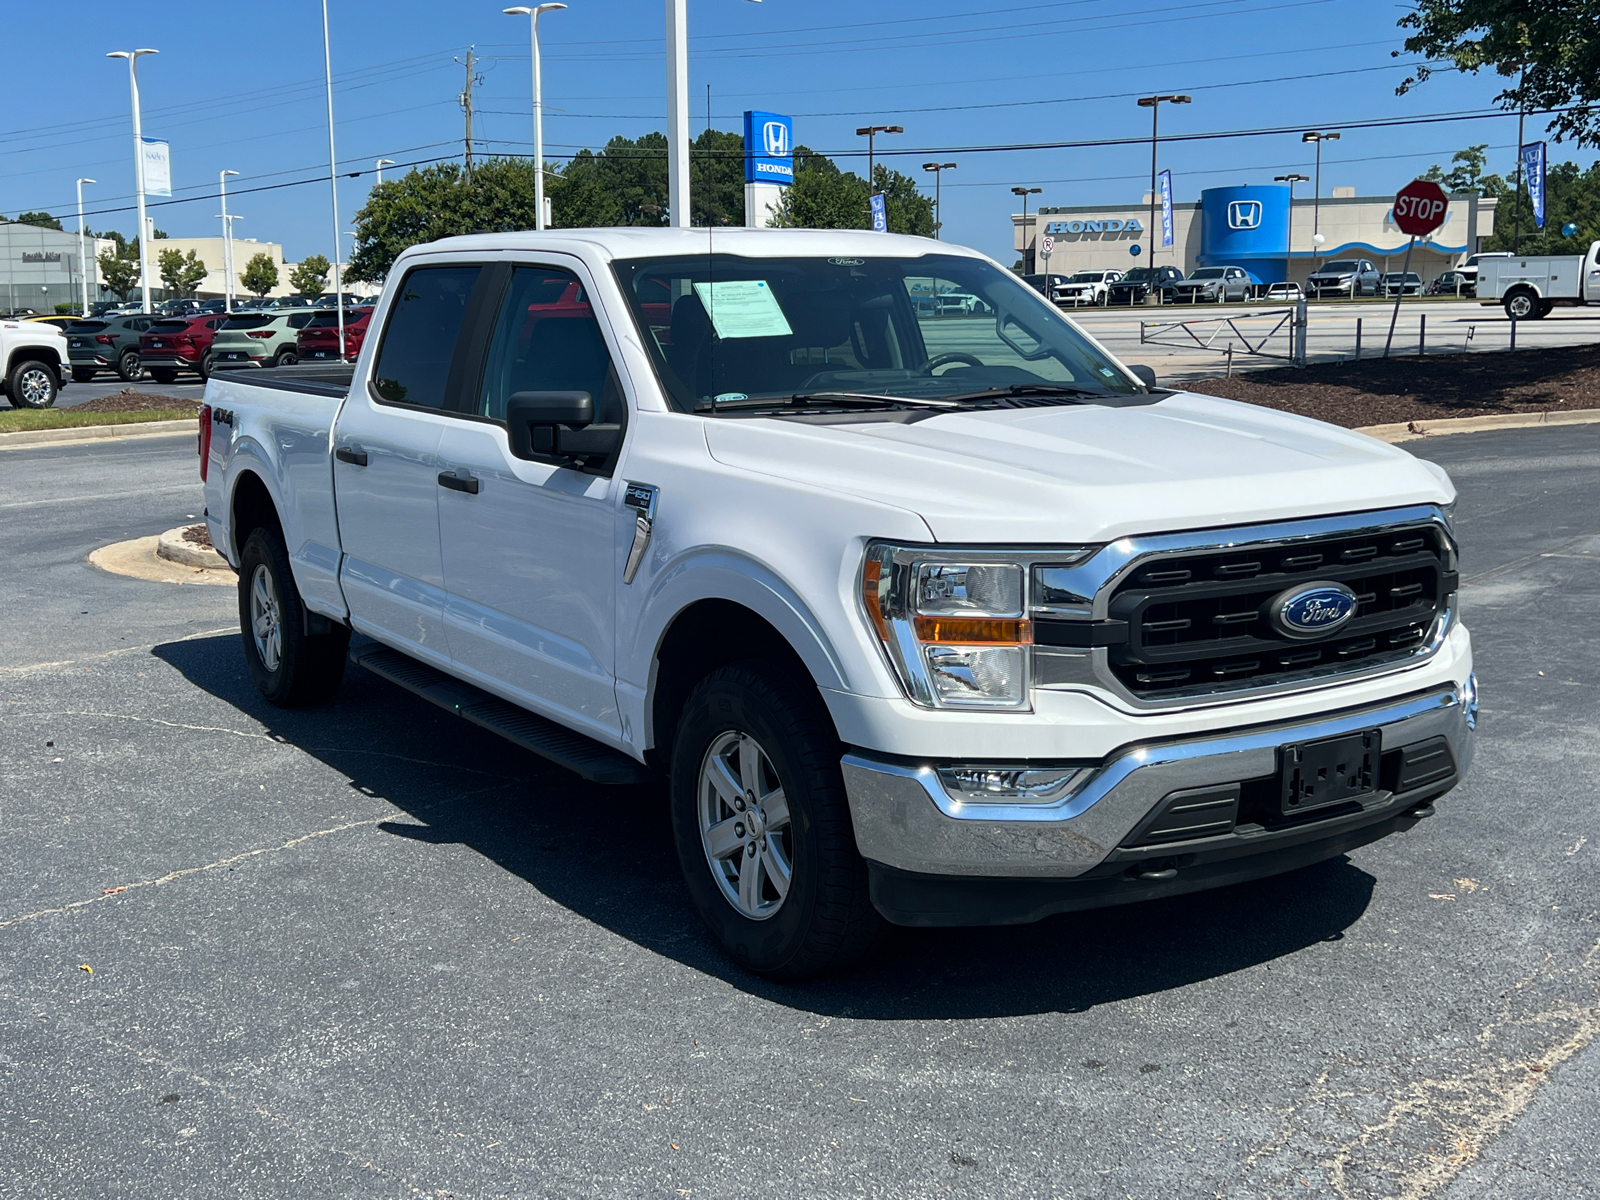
(1419, 207)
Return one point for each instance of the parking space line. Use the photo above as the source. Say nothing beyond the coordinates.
(162, 491)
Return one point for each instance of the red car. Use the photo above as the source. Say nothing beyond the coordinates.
(175, 344)
(319, 340)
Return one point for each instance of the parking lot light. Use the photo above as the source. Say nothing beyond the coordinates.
(532, 13)
(83, 263)
(379, 164)
(133, 57)
(1153, 103)
(1025, 192)
(1311, 135)
(869, 132)
(1291, 179)
(938, 170)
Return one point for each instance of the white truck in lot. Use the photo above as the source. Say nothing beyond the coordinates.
(1531, 287)
(33, 363)
(927, 617)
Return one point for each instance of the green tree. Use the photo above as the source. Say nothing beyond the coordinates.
(260, 275)
(1550, 48)
(1466, 173)
(310, 276)
(181, 272)
(824, 197)
(119, 271)
(1572, 196)
(42, 219)
(716, 179)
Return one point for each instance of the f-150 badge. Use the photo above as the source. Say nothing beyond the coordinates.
(641, 498)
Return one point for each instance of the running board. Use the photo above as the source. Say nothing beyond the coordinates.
(581, 755)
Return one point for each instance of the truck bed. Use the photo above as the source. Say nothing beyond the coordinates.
(317, 379)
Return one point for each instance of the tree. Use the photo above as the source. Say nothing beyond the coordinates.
(182, 273)
(1551, 48)
(1572, 196)
(119, 271)
(310, 277)
(260, 275)
(42, 219)
(823, 197)
(1466, 173)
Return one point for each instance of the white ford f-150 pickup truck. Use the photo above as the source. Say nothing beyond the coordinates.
(938, 617)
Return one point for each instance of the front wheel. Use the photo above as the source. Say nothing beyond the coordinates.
(762, 825)
(290, 666)
(32, 384)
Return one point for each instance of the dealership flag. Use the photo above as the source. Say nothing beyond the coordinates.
(1166, 208)
(156, 160)
(1533, 163)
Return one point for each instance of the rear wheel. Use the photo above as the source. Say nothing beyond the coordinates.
(163, 374)
(1522, 305)
(128, 367)
(291, 667)
(762, 825)
(82, 374)
(203, 368)
(32, 384)
(285, 358)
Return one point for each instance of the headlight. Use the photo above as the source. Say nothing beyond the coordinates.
(953, 623)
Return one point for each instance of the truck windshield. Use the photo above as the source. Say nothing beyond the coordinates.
(723, 328)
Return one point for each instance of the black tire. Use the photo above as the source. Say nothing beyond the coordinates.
(129, 369)
(164, 374)
(1522, 305)
(203, 368)
(32, 384)
(308, 667)
(825, 922)
(285, 358)
(82, 374)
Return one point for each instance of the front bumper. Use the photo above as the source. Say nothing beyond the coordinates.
(938, 861)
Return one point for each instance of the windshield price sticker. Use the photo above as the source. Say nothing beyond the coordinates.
(743, 308)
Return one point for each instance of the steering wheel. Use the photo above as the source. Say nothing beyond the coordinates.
(954, 356)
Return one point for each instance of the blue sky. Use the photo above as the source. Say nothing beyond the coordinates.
(240, 87)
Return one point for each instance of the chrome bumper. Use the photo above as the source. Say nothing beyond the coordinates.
(904, 818)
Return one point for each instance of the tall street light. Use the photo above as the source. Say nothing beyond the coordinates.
(1025, 192)
(523, 10)
(869, 132)
(678, 112)
(83, 263)
(227, 241)
(1288, 245)
(1311, 135)
(938, 170)
(333, 179)
(1153, 103)
(133, 57)
(379, 164)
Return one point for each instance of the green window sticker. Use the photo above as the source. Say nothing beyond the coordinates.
(743, 308)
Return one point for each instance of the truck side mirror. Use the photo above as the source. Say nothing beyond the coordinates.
(558, 427)
(1145, 375)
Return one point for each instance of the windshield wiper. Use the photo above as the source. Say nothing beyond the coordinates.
(825, 399)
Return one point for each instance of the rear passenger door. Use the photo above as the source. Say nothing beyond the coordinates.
(386, 463)
(528, 547)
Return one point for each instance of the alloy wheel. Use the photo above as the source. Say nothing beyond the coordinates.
(266, 623)
(745, 826)
(35, 387)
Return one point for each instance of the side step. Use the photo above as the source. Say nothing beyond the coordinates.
(560, 745)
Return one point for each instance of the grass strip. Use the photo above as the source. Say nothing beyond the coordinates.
(15, 420)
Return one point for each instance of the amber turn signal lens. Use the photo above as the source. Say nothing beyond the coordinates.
(975, 631)
(871, 577)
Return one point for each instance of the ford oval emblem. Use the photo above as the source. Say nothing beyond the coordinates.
(1312, 609)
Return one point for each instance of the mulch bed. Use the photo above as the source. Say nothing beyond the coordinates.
(198, 535)
(1388, 391)
(129, 400)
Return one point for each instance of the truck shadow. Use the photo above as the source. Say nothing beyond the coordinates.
(607, 855)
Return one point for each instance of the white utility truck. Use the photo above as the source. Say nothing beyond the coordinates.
(934, 616)
(1530, 287)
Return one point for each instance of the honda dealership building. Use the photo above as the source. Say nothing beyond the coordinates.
(1250, 226)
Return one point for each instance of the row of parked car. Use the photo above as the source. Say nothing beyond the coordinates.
(135, 344)
(1352, 278)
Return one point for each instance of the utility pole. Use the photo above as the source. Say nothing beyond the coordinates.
(465, 100)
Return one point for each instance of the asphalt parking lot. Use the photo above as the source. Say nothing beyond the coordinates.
(371, 951)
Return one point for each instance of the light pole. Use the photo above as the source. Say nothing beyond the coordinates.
(523, 10)
(333, 178)
(938, 170)
(869, 132)
(1288, 243)
(83, 263)
(678, 112)
(1025, 192)
(379, 164)
(1153, 103)
(1311, 135)
(227, 241)
(133, 57)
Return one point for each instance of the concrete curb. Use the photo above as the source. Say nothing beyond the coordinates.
(137, 559)
(1412, 430)
(172, 547)
(95, 433)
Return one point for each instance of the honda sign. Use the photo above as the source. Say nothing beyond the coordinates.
(768, 148)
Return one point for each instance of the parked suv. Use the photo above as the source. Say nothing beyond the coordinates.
(175, 344)
(1086, 287)
(107, 344)
(1138, 283)
(320, 338)
(1400, 283)
(1048, 286)
(1344, 277)
(267, 339)
(1212, 285)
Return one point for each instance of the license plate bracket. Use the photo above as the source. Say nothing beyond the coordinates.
(1330, 771)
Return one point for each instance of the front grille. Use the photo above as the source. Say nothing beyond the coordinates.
(1198, 622)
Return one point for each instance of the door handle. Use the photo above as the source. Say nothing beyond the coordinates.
(349, 454)
(458, 483)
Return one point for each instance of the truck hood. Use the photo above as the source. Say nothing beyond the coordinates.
(1087, 473)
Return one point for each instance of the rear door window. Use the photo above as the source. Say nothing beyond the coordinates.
(419, 340)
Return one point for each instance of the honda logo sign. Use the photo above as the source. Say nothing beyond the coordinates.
(1244, 214)
(775, 139)
(768, 148)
